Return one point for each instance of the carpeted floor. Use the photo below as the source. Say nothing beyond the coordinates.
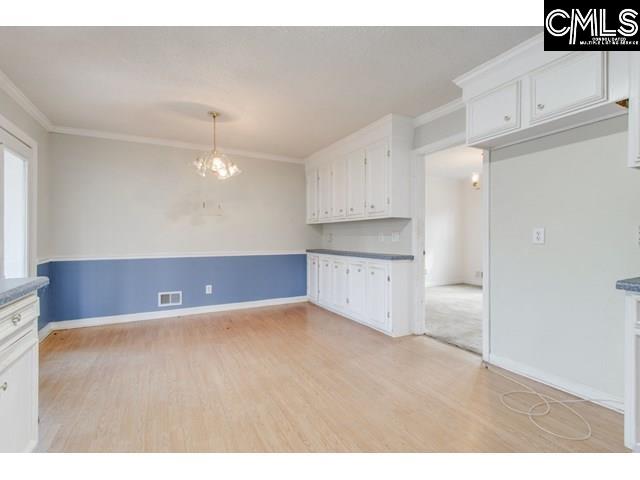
(454, 315)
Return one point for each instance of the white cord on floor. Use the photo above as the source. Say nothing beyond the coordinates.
(547, 401)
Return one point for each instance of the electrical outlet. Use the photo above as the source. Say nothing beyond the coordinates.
(329, 237)
(538, 236)
(208, 289)
(381, 237)
(395, 237)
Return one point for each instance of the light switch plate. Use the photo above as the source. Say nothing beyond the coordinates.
(208, 289)
(538, 236)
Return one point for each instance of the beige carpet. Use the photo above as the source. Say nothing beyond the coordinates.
(454, 315)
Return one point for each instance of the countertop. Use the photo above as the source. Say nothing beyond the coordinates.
(14, 288)
(629, 284)
(376, 256)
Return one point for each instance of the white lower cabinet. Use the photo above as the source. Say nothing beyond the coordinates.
(372, 292)
(312, 277)
(19, 376)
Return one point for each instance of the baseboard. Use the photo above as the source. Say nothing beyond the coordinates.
(144, 316)
(45, 331)
(568, 386)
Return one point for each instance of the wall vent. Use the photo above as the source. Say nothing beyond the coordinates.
(169, 299)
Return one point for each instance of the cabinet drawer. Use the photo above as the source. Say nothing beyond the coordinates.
(16, 315)
(19, 394)
(494, 113)
(573, 82)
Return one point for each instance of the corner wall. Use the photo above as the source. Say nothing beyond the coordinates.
(555, 312)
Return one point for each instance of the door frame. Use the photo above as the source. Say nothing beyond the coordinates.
(418, 175)
(32, 195)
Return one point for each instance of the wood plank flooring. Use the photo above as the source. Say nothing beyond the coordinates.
(291, 378)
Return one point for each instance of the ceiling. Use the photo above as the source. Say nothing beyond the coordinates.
(459, 163)
(282, 90)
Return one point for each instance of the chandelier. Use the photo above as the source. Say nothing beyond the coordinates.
(213, 162)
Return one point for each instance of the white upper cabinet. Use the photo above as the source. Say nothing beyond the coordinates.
(368, 174)
(324, 192)
(494, 113)
(567, 84)
(376, 162)
(339, 187)
(355, 184)
(312, 196)
(528, 92)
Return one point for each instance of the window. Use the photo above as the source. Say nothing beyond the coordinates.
(14, 189)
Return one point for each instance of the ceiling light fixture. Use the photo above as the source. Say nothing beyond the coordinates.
(213, 162)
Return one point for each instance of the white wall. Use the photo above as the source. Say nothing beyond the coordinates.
(114, 198)
(472, 233)
(554, 307)
(444, 231)
(453, 231)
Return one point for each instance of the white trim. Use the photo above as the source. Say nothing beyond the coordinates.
(486, 254)
(21, 99)
(45, 331)
(454, 140)
(439, 112)
(572, 388)
(79, 258)
(500, 59)
(34, 112)
(82, 132)
(155, 315)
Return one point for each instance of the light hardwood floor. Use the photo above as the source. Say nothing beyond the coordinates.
(279, 379)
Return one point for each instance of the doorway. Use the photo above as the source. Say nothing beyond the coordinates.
(453, 274)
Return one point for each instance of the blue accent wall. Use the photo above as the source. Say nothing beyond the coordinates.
(95, 288)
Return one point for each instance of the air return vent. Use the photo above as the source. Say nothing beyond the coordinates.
(168, 299)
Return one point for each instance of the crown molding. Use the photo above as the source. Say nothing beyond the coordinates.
(432, 115)
(500, 59)
(82, 132)
(21, 99)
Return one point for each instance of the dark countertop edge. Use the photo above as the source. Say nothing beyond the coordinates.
(376, 256)
(15, 288)
(629, 284)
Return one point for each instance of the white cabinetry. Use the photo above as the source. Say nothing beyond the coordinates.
(371, 292)
(19, 375)
(632, 373)
(313, 270)
(312, 196)
(634, 111)
(570, 83)
(529, 92)
(365, 175)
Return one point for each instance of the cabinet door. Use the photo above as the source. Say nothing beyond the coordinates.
(339, 188)
(325, 290)
(376, 289)
(339, 284)
(355, 287)
(573, 82)
(312, 196)
(355, 184)
(18, 402)
(312, 277)
(634, 112)
(377, 173)
(494, 113)
(324, 192)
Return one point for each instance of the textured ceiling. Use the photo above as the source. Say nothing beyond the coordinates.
(282, 90)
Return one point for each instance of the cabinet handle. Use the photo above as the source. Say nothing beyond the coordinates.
(340, 210)
(4, 386)
(359, 270)
(372, 206)
(16, 319)
(351, 209)
(325, 212)
(541, 106)
(507, 118)
(373, 273)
